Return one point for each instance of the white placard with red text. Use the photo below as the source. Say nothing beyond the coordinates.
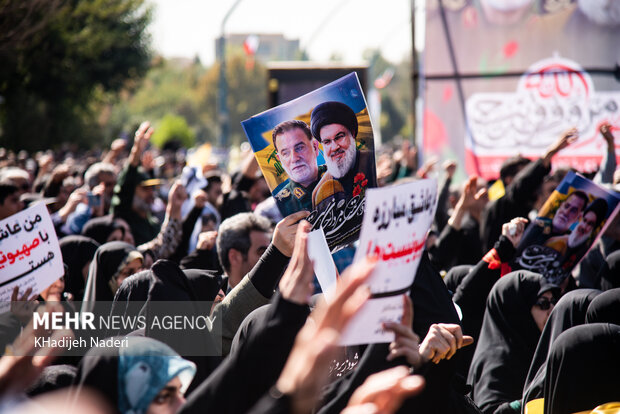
(394, 229)
(29, 253)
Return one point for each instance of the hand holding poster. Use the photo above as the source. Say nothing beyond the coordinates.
(317, 154)
(29, 253)
(567, 226)
(394, 231)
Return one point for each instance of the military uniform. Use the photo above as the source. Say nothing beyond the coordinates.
(294, 197)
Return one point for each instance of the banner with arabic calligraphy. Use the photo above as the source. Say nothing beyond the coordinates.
(502, 78)
(325, 158)
(394, 231)
(568, 224)
(29, 252)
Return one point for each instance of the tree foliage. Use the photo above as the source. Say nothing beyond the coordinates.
(173, 130)
(59, 56)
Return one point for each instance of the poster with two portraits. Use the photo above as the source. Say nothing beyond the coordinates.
(317, 154)
(567, 225)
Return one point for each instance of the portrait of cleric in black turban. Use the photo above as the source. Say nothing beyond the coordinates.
(350, 171)
(316, 153)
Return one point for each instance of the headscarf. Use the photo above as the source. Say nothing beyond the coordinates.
(568, 312)
(507, 340)
(100, 228)
(109, 260)
(582, 369)
(609, 274)
(189, 292)
(76, 252)
(605, 308)
(131, 376)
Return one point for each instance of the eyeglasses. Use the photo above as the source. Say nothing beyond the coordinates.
(545, 303)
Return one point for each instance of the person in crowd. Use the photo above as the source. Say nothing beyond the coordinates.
(335, 126)
(475, 283)
(144, 377)
(520, 193)
(516, 312)
(582, 364)
(9, 200)
(297, 151)
(77, 254)
(113, 262)
(241, 241)
(134, 192)
(570, 311)
(18, 177)
(459, 242)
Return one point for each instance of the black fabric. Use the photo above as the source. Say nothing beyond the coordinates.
(605, 308)
(202, 259)
(76, 252)
(455, 276)
(441, 214)
(432, 304)
(246, 374)
(582, 371)
(517, 202)
(609, 274)
(332, 112)
(100, 228)
(249, 325)
(590, 268)
(458, 247)
(236, 201)
(568, 312)
(98, 371)
(188, 228)
(471, 296)
(53, 378)
(103, 268)
(507, 341)
(268, 270)
(165, 281)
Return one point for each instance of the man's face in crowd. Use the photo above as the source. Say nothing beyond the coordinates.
(144, 198)
(339, 147)
(583, 230)
(214, 192)
(259, 241)
(11, 205)
(297, 153)
(22, 185)
(109, 181)
(568, 213)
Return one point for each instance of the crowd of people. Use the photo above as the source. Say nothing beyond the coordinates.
(137, 226)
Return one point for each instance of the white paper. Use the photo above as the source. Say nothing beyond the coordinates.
(396, 222)
(366, 325)
(324, 266)
(29, 253)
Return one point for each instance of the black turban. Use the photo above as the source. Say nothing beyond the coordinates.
(332, 113)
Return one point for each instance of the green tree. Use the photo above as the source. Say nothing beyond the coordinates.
(173, 130)
(58, 59)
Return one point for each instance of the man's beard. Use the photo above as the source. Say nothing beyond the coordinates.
(339, 168)
(575, 239)
(140, 205)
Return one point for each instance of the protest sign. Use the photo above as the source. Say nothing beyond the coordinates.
(317, 154)
(394, 231)
(29, 253)
(323, 263)
(567, 226)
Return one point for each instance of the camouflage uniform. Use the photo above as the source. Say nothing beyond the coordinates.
(295, 197)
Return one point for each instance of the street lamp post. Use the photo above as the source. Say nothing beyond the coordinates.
(223, 117)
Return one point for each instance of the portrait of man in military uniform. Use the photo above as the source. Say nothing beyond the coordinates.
(297, 151)
(349, 171)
